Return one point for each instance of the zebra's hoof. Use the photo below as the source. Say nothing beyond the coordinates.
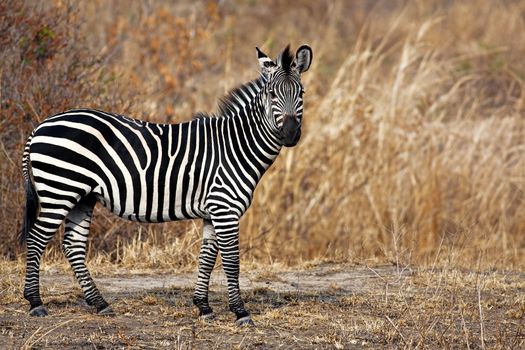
(207, 317)
(245, 321)
(38, 311)
(107, 311)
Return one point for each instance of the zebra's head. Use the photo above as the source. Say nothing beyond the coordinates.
(283, 91)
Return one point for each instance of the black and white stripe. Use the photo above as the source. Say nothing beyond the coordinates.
(205, 168)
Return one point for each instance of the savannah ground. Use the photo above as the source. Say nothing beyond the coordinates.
(411, 165)
(324, 305)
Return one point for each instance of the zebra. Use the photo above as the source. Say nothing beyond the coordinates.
(205, 168)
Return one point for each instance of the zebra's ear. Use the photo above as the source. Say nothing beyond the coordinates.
(303, 58)
(265, 62)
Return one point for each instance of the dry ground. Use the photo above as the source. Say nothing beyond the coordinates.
(322, 306)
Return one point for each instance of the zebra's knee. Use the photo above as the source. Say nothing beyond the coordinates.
(74, 253)
(209, 245)
(66, 247)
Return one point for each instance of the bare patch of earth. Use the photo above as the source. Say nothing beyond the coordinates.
(356, 280)
(327, 306)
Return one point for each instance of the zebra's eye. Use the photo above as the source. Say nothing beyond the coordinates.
(272, 93)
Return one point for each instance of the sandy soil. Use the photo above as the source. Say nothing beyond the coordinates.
(326, 306)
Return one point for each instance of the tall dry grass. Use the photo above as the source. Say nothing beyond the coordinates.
(414, 140)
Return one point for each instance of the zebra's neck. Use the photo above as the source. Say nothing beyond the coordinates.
(243, 111)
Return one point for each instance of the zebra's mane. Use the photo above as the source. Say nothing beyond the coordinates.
(236, 99)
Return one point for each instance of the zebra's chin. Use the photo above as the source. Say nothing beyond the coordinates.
(292, 141)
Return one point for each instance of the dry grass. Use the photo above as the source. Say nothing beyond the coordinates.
(420, 309)
(414, 137)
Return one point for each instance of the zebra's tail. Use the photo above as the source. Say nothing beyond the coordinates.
(31, 207)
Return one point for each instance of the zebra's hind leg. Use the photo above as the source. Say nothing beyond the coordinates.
(207, 258)
(45, 226)
(76, 234)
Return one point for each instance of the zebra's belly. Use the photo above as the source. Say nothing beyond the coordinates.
(148, 213)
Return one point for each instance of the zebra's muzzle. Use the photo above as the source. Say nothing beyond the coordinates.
(291, 131)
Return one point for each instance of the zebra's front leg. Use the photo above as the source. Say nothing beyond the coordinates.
(76, 234)
(207, 258)
(227, 230)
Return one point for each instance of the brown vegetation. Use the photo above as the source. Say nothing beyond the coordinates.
(414, 133)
